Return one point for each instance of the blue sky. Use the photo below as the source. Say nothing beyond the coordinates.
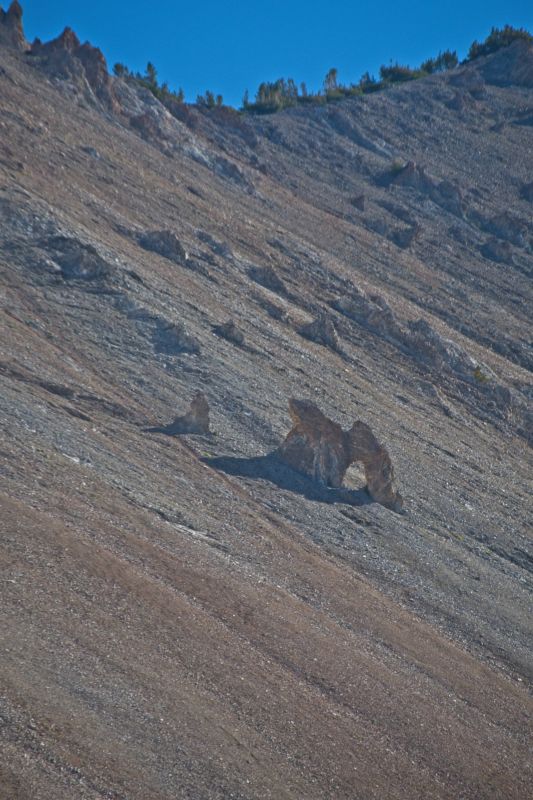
(233, 45)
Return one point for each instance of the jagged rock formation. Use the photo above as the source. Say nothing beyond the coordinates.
(320, 449)
(83, 65)
(228, 330)
(196, 420)
(11, 31)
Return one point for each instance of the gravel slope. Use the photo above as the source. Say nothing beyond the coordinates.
(182, 617)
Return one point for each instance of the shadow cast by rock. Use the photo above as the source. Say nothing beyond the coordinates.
(272, 469)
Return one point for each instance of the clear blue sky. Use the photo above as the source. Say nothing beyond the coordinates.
(233, 45)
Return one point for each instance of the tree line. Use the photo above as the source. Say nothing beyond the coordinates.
(272, 96)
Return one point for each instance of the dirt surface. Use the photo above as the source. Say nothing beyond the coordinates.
(186, 617)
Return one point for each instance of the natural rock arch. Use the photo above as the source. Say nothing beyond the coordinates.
(319, 448)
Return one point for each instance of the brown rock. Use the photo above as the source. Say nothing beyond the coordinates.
(320, 449)
(196, 420)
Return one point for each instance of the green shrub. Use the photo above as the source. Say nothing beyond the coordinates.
(498, 38)
(397, 166)
(444, 61)
(398, 73)
(479, 375)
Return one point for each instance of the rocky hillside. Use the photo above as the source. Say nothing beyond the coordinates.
(186, 615)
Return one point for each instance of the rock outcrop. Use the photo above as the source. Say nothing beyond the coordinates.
(320, 449)
(444, 193)
(322, 331)
(11, 31)
(268, 277)
(196, 420)
(371, 311)
(165, 243)
(76, 260)
(82, 65)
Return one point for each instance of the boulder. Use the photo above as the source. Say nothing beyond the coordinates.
(511, 65)
(318, 447)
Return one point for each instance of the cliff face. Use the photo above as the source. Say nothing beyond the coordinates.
(186, 615)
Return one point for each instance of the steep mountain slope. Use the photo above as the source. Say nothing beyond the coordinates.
(185, 617)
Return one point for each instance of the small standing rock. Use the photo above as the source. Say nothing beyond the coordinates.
(196, 420)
